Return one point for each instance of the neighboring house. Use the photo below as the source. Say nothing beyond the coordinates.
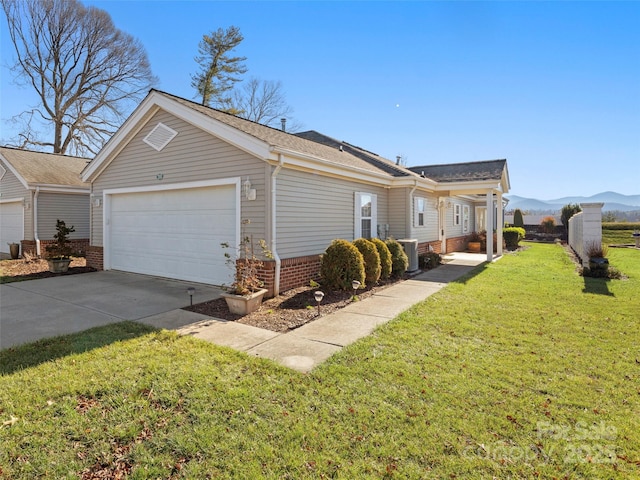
(178, 179)
(37, 189)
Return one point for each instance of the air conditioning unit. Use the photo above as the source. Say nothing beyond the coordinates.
(410, 246)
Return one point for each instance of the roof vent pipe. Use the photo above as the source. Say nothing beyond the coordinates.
(283, 121)
(398, 157)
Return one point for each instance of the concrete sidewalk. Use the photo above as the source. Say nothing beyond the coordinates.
(306, 347)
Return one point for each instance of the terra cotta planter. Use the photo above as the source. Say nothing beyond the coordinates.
(474, 247)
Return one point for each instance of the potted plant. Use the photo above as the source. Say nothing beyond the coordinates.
(59, 253)
(474, 242)
(14, 250)
(598, 261)
(245, 294)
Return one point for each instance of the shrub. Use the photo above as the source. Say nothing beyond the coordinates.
(399, 259)
(548, 224)
(62, 248)
(567, 212)
(341, 263)
(596, 250)
(371, 258)
(512, 236)
(429, 260)
(518, 219)
(385, 258)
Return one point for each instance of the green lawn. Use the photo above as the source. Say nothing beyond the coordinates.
(624, 237)
(522, 370)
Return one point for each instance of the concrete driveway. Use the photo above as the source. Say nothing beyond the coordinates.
(36, 309)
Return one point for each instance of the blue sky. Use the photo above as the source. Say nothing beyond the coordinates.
(554, 87)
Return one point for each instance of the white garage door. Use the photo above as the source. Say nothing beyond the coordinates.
(11, 224)
(174, 233)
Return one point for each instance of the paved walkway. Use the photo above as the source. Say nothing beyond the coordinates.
(306, 347)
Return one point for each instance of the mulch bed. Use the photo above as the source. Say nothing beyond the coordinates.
(20, 269)
(291, 309)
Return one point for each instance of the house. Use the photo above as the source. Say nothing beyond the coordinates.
(37, 189)
(179, 179)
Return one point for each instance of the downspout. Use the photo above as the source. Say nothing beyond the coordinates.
(411, 209)
(35, 221)
(274, 250)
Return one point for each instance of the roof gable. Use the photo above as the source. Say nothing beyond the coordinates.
(39, 168)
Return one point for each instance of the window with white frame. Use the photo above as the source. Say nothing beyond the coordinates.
(419, 204)
(365, 215)
(456, 214)
(465, 218)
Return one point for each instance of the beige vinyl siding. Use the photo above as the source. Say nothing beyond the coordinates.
(398, 205)
(428, 232)
(456, 230)
(73, 209)
(313, 210)
(11, 187)
(193, 155)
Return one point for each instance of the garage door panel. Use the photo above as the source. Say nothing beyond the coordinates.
(11, 224)
(175, 234)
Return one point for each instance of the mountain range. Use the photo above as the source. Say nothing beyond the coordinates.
(612, 201)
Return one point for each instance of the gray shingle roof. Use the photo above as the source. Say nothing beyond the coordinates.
(463, 172)
(326, 150)
(46, 168)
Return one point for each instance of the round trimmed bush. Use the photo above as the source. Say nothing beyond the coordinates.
(341, 263)
(371, 258)
(385, 258)
(399, 259)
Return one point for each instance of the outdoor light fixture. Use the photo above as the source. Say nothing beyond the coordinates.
(191, 291)
(318, 295)
(249, 193)
(355, 285)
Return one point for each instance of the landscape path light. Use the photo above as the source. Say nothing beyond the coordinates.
(355, 285)
(318, 295)
(191, 291)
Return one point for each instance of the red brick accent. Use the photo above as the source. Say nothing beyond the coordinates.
(294, 272)
(423, 248)
(456, 244)
(79, 245)
(95, 257)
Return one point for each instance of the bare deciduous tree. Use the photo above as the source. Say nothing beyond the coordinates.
(263, 101)
(219, 70)
(87, 74)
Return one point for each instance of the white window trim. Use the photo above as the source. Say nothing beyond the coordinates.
(417, 211)
(357, 227)
(456, 214)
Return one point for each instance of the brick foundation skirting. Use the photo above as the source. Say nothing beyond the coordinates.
(95, 257)
(456, 244)
(294, 273)
(80, 246)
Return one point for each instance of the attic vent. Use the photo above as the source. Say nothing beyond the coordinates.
(160, 136)
(2, 171)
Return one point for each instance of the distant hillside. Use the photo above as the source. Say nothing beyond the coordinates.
(612, 202)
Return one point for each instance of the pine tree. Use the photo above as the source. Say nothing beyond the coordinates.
(219, 69)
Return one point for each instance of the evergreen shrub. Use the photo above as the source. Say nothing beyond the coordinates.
(512, 236)
(399, 259)
(372, 268)
(385, 258)
(341, 263)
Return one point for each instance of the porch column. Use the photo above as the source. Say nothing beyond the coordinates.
(490, 225)
(500, 222)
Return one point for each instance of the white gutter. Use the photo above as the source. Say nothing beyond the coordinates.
(35, 220)
(274, 251)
